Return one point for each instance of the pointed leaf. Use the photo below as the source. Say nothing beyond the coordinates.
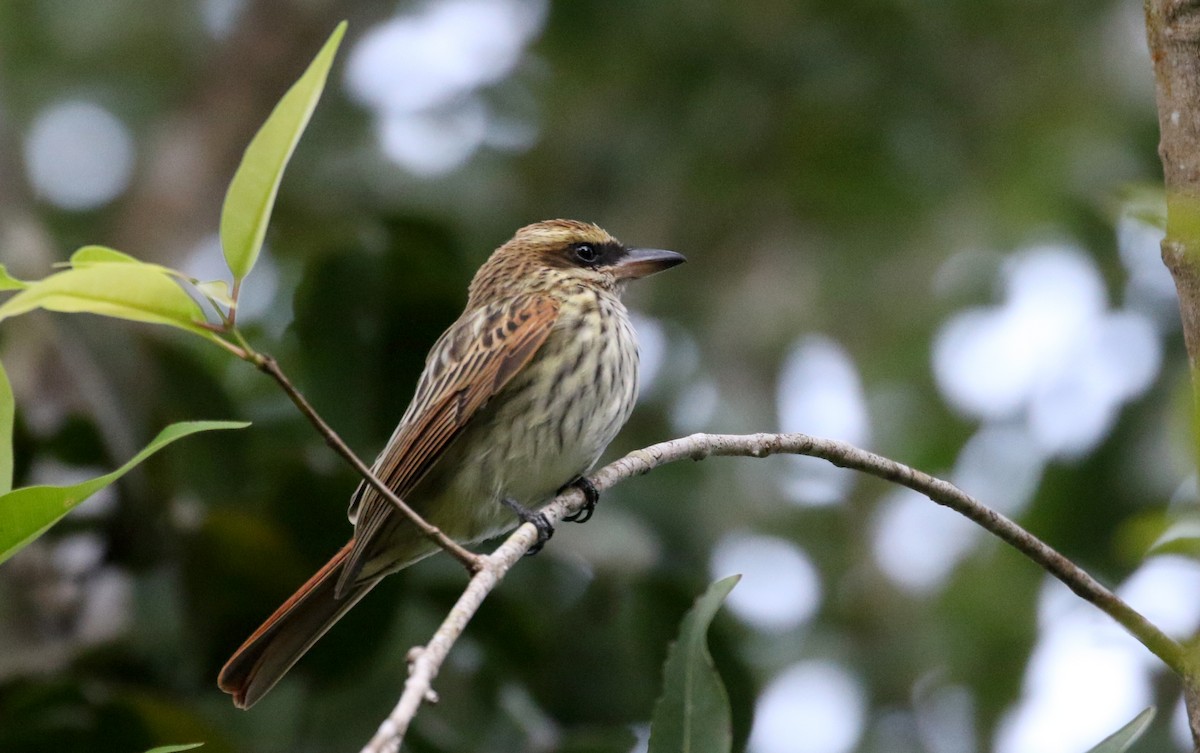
(1119, 741)
(174, 748)
(90, 256)
(7, 408)
(692, 714)
(8, 282)
(251, 194)
(216, 291)
(101, 255)
(135, 291)
(26, 513)
(1182, 537)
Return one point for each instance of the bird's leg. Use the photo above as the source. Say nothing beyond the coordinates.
(544, 529)
(591, 495)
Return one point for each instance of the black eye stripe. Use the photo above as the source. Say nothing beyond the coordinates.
(594, 254)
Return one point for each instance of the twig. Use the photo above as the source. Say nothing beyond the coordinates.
(268, 365)
(427, 661)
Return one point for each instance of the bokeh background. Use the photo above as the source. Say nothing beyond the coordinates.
(908, 227)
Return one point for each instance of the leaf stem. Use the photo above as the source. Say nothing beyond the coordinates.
(235, 350)
(235, 291)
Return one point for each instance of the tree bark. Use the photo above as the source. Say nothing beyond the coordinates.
(1173, 33)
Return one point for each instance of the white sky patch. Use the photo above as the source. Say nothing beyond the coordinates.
(1086, 678)
(1051, 355)
(1116, 360)
(78, 155)
(918, 543)
(420, 72)
(1167, 590)
(1047, 372)
(810, 707)
(780, 587)
(820, 393)
(434, 142)
(1000, 466)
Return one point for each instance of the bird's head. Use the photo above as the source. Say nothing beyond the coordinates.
(563, 253)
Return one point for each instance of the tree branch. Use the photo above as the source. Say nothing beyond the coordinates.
(425, 662)
(1173, 35)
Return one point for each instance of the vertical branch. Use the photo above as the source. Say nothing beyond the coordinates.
(1173, 33)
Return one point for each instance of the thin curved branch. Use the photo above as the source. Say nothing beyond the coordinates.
(425, 662)
(268, 365)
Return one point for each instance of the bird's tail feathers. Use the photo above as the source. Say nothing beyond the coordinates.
(288, 633)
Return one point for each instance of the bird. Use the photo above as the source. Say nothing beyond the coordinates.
(517, 401)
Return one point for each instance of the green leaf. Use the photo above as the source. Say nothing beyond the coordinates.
(90, 256)
(174, 748)
(1119, 741)
(135, 291)
(26, 513)
(216, 291)
(1182, 537)
(7, 409)
(692, 714)
(251, 194)
(8, 282)
(101, 255)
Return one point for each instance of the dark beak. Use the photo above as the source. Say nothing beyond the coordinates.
(642, 262)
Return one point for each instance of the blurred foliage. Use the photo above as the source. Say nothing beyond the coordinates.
(820, 163)
(1121, 740)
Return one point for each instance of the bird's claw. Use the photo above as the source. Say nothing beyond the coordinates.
(536, 519)
(591, 495)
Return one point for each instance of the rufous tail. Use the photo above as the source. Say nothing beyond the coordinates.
(288, 633)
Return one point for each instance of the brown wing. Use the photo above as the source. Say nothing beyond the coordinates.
(470, 363)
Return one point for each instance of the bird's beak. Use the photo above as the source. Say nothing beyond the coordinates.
(641, 262)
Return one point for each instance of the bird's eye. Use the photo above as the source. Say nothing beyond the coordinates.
(586, 253)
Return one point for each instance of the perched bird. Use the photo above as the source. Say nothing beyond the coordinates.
(517, 400)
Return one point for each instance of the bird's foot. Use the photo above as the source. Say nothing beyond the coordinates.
(591, 495)
(537, 519)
